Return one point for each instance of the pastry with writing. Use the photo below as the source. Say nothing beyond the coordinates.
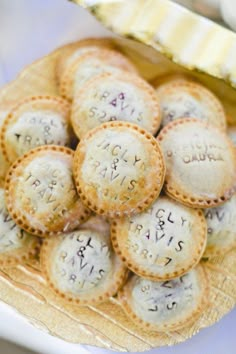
(81, 266)
(40, 192)
(88, 65)
(16, 245)
(200, 162)
(119, 169)
(35, 121)
(111, 97)
(185, 98)
(165, 305)
(221, 232)
(163, 242)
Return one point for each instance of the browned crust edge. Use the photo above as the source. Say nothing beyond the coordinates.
(55, 100)
(183, 198)
(19, 217)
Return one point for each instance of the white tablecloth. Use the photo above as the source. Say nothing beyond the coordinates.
(30, 29)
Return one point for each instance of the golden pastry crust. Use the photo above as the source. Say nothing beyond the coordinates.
(16, 245)
(74, 50)
(81, 267)
(172, 77)
(3, 161)
(197, 155)
(118, 169)
(163, 242)
(166, 306)
(88, 66)
(40, 193)
(221, 222)
(111, 97)
(185, 98)
(35, 121)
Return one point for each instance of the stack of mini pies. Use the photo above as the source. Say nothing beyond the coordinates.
(148, 192)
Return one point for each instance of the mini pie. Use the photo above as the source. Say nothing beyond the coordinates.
(232, 133)
(87, 66)
(40, 192)
(221, 222)
(168, 305)
(118, 169)
(35, 121)
(163, 242)
(200, 162)
(109, 97)
(185, 98)
(81, 266)
(16, 245)
(74, 50)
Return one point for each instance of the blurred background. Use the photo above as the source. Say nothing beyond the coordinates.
(30, 29)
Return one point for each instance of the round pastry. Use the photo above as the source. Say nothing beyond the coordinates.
(163, 242)
(40, 192)
(35, 121)
(16, 245)
(119, 169)
(81, 266)
(232, 133)
(221, 222)
(185, 98)
(197, 156)
(165, 306)
(88, 66)
(72, 51)
(111, 97)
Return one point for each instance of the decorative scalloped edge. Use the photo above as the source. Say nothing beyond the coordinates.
(17, 215)
(154, 193)
(119, 277)
(127, 258)
(122, 296)
(130, 78)
(54, 100)
(186, 199)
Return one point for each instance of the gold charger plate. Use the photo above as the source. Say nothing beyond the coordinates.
(24, 288)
